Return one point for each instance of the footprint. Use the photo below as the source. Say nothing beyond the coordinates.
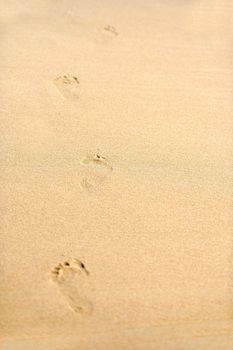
(110, 30)
(95, 171)
(72, 279)
(106, 34)
(67, 85)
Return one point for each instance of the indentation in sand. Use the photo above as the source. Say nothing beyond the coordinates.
(110, 30)
(105, 34)
(72, 279)
(68, 86)
(96, 170)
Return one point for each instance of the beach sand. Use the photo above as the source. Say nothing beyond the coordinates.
(116, 177)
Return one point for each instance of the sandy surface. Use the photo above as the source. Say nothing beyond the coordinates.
(116, 177)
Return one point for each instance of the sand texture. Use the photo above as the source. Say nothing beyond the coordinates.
(116, 175)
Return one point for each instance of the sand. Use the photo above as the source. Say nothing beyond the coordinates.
(116, 177)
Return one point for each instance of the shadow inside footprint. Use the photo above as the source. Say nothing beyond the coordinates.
(72, 279)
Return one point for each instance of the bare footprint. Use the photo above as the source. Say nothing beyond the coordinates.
(72, 279)
(96, 170)
(110, 30)
(105, 34)
(67, 85)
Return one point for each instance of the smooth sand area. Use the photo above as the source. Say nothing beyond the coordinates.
(116, 175)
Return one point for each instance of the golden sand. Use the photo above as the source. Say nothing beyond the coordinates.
(116, 175)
